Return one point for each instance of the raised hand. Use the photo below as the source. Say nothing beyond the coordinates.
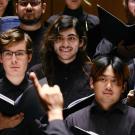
(51, 98)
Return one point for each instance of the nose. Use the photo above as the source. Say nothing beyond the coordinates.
(65, 42)
(14, 59)
(109, 84)
(29, 6)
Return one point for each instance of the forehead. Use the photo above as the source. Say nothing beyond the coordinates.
(68, 31)
(109, 71)
(17, 45)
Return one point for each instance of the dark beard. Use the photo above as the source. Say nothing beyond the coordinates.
(30, 22)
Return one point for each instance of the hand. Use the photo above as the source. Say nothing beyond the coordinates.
(131, 98)
(10, 122)
(51, 98)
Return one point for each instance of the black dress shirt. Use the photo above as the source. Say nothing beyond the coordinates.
(120, 120)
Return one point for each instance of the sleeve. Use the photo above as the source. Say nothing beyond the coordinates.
(57, 127)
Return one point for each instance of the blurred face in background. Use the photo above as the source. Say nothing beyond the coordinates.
(3, 5)
(73, 4)
(131, 7)
(30, 10)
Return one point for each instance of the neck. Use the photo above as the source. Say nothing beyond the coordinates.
(31, 27)
(1, 13)
(16, 80)
(75, 13)
(105, 105)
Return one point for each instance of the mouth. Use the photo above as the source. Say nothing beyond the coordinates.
(107, 93)
(65, 50)
(15, 67)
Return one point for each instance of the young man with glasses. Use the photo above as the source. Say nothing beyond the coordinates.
(31, 13)
(16, 53)
(64, 59)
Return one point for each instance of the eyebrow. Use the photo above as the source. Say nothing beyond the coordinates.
(68, 35)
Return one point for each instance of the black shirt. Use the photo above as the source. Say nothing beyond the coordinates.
(120, 120)
(73, 81)
(72, 78)
(26, 127)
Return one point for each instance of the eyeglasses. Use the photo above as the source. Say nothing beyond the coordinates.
(33, 3)
(70, 39)
(7, 54)
(105, 80)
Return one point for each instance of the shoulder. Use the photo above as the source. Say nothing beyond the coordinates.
(78, 114)
(53, 18)
(92, 18)
(131, 112)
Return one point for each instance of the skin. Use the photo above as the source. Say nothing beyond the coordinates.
(30, 13)
(10, 122)
(131, 7)
(14, 68)
(3, 5)
(106, 88)
(67, 52)
(73, 4)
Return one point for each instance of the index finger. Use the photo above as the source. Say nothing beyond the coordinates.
(35, 81)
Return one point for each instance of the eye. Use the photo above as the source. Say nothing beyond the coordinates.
(59, 39)
(72, 38)
(101, 78)
(20, 53)
(7, 53)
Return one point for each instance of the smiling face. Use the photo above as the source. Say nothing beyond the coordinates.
(66, 45)
(108, 88)
(15, 67)
(73, 4)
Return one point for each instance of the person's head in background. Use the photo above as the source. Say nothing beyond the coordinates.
(6, 8)
(30, 13)
(64, 40)
(129, 6)
(73, 4)
(126, 48)
(16, 53)
(109, 76)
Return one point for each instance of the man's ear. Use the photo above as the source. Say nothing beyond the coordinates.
(44, 7)
(81, 43)
(124, 87)
(29, 57)
(91, 83)
(16, 8)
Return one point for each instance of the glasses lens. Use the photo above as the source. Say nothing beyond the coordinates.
(32, 2)
(19, 54)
